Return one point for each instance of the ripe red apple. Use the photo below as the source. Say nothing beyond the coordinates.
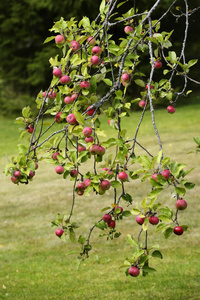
(178, 230)
(58, 117)
(105, 184)
(102, 150)
(65, 79)
(140, 220)
(74, 173)
(181, 204)
(94, 149)
(75, 46)
(14, 179)
(87, 131)
(31, 174)
(71, 119)
(171, 109)
(85, 85)
(128, 29)
(59, 232)
(166, 173)
(30, 129)
(55, 155)
(142, 103)
(17, 174)
(91, 41)
(68, 100)
(59, 170)
(158, 64)
(57, 72)
(36, 166)
(123, 176)
(81, 148)
(96, 50)
(95, 60)
(125, 77)
(151, 87)
(133, 271)
(117, 207)
(87, 182)
(111, 224)
(154, 176)
(81, 186)
(89, 139)
(59, 39)
(74, 96)
(90, 111)
(107, 218)
(153, 220)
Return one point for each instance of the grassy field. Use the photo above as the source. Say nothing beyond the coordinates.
(33, 261)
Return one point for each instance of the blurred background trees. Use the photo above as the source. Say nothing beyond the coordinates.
(24, 25)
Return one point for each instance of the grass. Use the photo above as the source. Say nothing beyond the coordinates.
(34, 264)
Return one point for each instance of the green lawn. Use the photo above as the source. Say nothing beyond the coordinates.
(33, 261)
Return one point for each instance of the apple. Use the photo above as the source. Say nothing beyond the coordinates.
(102, 150)
(133, 271)
(111, 224)
(87, 182)
(87, 131)
(119, 207)
(128, 29)
(94, 149)
(125, 77)
(142, 103)
(65, 79)
(178, 230)
(55, 155)
(151, 87)
(153, 220)
(81, 186)
(52, 95)
(171, 109)
(89, 139)
(68, 100)
(14, 179)
(107, 218)
(74, 173)
(59, 232)
(85, 85)
(109, 172)
(36, 166)
(166, 173)
(140, 220)
(154, 176)
(71, 119)
(74, 96)
(31, 174)
(80, 193)
(57, 72)
(123, 176)
(91, 41)
(95, 60)
(96, 50)
(17, 174)
(58, 117)
(181, 204)
(105, 184)
(158, 64)
(81, 148)
(30, 129)
(59, 170)
(91, 111)
(59, 39)
(112, 122)
(75, 46)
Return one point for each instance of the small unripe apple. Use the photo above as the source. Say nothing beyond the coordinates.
(91, 111)
(81, 148)
(17, 174)
(89, 139)
(68, 100)
(128, 29)
(119, 207)
(52, 95)
(85, 85)
(107, 218)
(181, 204)
(178, 230)
(71, 119)
(123, 176)
(133, 271)
(140, 220)
(125, 77)
(30, 129)
(94, 149)
(95, 60)
(81, 186)
(58, 117)
(111, 224)
(154, 176)
(166, 173)
(59, 39)
(57, 72)
(96, 50)
(87, 182)
(158, 64)
(74, 173)
(55, 155)
(59, 232)
(91, 41)
(60, 170)
(14, 179)
(65, 79)
(87, 131)
(31, 175)
(142, 103)
(153, 220)
(75, 46)
(171, 109)
(105, 184)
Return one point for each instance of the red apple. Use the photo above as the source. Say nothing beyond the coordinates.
(102, 150)
(89, 139)
(85, 85)
(87, 131)
(166, 173)
(31, 174)
(107, 218)
(74, 173)
(142, 103)
(128, 29)
(58, 117)
(91, 111)
(81, 186)
(111, 224)
(65, 79)
(94, 149)
(123, 176)
(75, 46)
(57, 72)
(55, 155)
(178, 230)
(14, 179)
(151, 87)
(59, 39)
(68, 100)
(109, 172)
(52, 95)
(171, 109)
(30, 129)
(181, 204)
(17, 174)
(59, 170)
(133, 271)
(96, 50)
(105, 184)
(158, 64)
(81, 148)
(125, 77)
(80, 193)
(87, 182)
(71, 119)
(59, 232)
(119, 207)
(91, 41)
(153, 220)
(74, 96)
(95, 60)
(154, 176)
(36, 166)
(140, 220)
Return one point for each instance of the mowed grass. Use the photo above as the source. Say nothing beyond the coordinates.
(33, 261)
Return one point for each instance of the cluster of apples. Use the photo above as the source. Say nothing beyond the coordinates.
(19, 175)
(110, 219)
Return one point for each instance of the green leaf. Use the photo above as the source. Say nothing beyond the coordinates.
(189, 185)
(155, 192)
(108, 81)
(50, 38)
(81, 239)
(72, 252)
(140, 82)
(102, 6)
(101, 225)
(165, 219)
(192, 62)
(26, 112)
(131, 240)
(172, 57)
(168, 232)
(105, 208)
(126, 213)
(79, 117)
(197, 140)
(180, 190)
(135, 211)
(72, 235)
(115, 184)
(21, 149)
(148, 269)
(157, 253)
(166, 211)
